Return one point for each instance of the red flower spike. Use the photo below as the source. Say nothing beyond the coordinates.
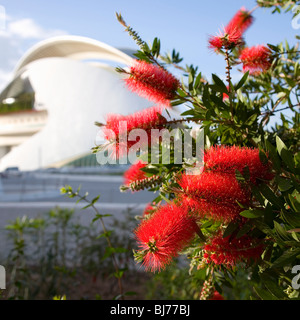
(232, 35)
(216, 296)
(134, 173)
(256, 59)
(152, 82)
(241, 21)
(229, 38)
(164, 235)
(215, 187)
(225, 159)
(231, 251)
(212, 209)
(146, 119)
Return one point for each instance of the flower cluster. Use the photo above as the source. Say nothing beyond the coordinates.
(230, 251)
(152, 82)
(164, 235)
(256, 59)
(232, 35)
(224, 159)
(216, 193)
(242, 20)
(118, 127)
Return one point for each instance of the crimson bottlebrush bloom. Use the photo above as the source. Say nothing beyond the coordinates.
(214, 195)
(152, 82)
(242, 20)
(134, 173)
(214, 186)
(216, 296)
(232, 34)
(256, 59)
(228, 38)
(212, 209)
(231, 251)
(226, 159)
(160, 238)
(118, 127)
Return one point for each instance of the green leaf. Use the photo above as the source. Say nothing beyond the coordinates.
(106, 234)
(232, 226)
(197, 80)
(100, 216)
(264, 294)
(270, 196)
(283, 184)
(280, 145)
(272, 47)
(220, 84)
(242, 81)
(281, 231)
(286, 258)
(263, 227)
(251, 214)
(244, 230)
(87, 206)
(239, 176)
(95, 199)
(272, 287)
(293, 218)
(273, 156)
(262, 156)
(288, 159)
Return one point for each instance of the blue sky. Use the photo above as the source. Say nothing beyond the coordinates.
(183, 25)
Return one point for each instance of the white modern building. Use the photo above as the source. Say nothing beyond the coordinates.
(73, 83)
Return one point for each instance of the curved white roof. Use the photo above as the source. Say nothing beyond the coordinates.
(73, 47)
(76, 90)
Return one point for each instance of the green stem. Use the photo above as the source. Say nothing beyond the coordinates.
(108, 242)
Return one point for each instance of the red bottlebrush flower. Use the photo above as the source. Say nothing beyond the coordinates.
(164, 235)
(230, 251)
(216, 296)
(212, 209)
(118, 127)
(232, 34)
(229, 38)
(225, 159)
(241, 21)
(256, 59)
(134, 173)
(214, 187)
(152, 82)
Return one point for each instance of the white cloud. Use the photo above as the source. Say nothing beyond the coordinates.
(29, 29)
(17, 37)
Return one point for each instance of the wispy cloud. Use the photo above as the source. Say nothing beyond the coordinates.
(15, 39)
(29, 29)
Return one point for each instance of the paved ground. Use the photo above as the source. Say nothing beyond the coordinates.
(35, 193)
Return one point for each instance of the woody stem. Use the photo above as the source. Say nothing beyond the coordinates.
(228, 78)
